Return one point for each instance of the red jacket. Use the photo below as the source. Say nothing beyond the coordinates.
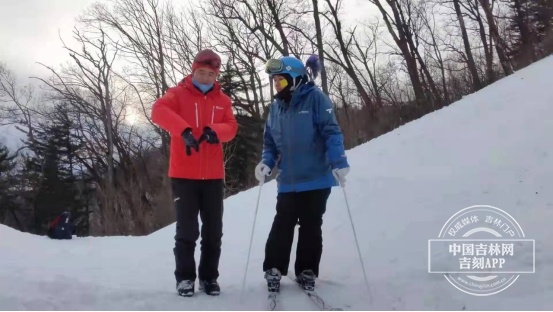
(184, 106)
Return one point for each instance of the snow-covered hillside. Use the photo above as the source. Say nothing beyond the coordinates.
(494, 147)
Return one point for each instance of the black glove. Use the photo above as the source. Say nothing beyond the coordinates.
(190, 141)
(209, 136)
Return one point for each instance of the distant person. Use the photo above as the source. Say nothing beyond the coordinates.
(61, 227)
(303, 137)
(199, 118)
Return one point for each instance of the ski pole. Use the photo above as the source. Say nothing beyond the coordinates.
(357, 244)
(251, 241)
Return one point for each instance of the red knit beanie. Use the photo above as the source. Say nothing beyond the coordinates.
(207, 58)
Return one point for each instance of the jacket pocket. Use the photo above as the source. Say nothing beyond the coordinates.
(217, 113)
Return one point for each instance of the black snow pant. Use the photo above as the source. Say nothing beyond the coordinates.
(206, 198)
(307, 208)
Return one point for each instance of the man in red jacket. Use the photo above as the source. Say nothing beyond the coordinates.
(199, 118)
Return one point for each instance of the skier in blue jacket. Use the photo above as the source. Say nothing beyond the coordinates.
(302, 137)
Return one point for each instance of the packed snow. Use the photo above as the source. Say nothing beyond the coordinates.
(491, 148)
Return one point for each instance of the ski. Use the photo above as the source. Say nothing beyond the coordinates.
(316, 298)
(273, 301)
(273, 286)
(275, 295)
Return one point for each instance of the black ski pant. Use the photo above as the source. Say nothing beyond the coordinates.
(206, 198)
(308, 208)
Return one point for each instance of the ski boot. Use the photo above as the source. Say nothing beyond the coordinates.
(185, 288)
(273, 277)
(306, 280)
(210, 287)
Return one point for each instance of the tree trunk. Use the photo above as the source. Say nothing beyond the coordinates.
(320, 47)
(401, 41)
(501, 48)
(348, 66)
(470, 58)
(527, 53)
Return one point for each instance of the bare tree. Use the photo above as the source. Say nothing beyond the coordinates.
(98, 99)
(320, 45)
(473, 12)
(88, 86)
(246, 52)
(501, 47)
(367, 54)
(527, 49)
(468, 50)
(430, 37)
(17, 104)
(140, 39)
(267, 21)
(343, 46)
(404, 37)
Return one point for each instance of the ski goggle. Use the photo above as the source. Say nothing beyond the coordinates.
(273, 66)
(208, 60)
(276, 66)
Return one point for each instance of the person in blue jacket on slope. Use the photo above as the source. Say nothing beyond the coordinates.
(303, 138)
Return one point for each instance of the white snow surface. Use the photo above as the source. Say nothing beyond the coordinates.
(494, 147)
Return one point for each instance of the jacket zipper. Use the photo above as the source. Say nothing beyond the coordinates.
(198, 126)
(212, 114)
(293, 167)
(212, 111)
(197, 121)
(289, 114)
(202, 152)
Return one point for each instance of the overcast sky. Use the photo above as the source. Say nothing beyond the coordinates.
(29, 34)
(30, 31)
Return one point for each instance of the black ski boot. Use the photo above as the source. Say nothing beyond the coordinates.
(185, 288)
(210, 287)
(273, 277)
(306, 280)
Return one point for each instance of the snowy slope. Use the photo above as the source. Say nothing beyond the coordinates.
(493, 148)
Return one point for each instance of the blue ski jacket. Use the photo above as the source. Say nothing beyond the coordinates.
(305, 140)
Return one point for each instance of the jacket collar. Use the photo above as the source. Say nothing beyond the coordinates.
(188, 84)
(298, 94)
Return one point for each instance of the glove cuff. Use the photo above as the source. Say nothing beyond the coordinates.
(342, 163)
(186, 131)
